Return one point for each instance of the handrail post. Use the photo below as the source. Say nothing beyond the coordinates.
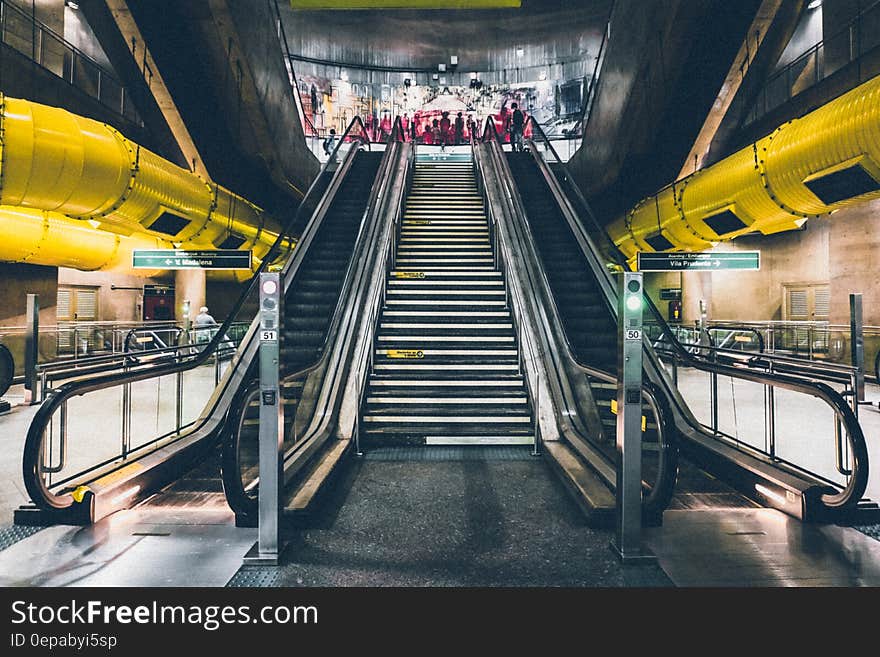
(31, 348)
(770, 417)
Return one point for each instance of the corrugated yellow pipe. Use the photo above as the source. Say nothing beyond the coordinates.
(766, 186)
(39, 237)
(57, 161)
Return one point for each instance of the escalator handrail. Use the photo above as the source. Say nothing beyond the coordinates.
(376, 195)
(661, 492)
(31, 468)
(855, 488)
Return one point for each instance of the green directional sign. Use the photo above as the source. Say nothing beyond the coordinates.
(178, 259)
(741, 260)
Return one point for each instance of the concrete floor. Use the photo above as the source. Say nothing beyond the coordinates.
(804, 425)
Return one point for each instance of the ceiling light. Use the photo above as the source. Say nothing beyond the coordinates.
(453, 60)
(520, 52)
(441, 67)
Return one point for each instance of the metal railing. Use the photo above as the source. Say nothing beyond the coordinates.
(664, 468)
(848, 45)
(158, 405)
(22, 32)
(837, 415)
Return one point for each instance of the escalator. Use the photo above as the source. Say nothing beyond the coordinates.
(591, 327)
(568, 266)
(159, 420)
(312, 299)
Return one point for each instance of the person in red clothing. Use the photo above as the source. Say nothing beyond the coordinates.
(427, 134)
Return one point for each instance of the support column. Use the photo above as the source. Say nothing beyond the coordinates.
(189, 285)
(695, 286)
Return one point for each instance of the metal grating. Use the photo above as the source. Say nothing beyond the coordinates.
(450, 453)
(255, 577)
(870, 530)
(11, 535)
(822, 302)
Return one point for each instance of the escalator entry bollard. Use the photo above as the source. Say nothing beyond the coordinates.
(268, 547)
(627, 543)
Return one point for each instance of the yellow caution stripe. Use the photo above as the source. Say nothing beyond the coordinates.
(408, 274)
(614, 411)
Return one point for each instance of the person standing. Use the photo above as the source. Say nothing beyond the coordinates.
(459, 128)
(445, 130)
(204, 324)
(517, 122)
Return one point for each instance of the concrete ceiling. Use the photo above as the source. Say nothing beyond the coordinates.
(544, 32)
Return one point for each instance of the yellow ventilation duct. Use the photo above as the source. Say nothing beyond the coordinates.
(826, 160)
(47, 238)
(53, 160)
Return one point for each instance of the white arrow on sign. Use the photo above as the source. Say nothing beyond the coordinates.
(167, 261)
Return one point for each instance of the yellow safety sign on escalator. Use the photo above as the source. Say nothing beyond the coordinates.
(405, 353)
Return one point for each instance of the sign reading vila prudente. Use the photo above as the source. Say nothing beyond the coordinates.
(179, 259)
(741, 260)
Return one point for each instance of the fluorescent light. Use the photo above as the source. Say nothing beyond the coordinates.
(453, 60)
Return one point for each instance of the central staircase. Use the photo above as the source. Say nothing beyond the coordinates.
(446, 369)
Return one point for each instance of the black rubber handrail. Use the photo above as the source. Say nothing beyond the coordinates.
(661, 492)
(31, 457)
(238, 494)
(855, 488)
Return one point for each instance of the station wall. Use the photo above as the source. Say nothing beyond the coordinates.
(840, 250)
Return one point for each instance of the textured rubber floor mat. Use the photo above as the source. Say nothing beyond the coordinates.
(254, 577)
(14, 533)
(450, 453)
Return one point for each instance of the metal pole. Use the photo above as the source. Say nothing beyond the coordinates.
(268, 548)
(31, 347)
(857, 342)
(628, 540)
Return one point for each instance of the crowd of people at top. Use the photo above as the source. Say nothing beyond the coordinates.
(442, 129)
